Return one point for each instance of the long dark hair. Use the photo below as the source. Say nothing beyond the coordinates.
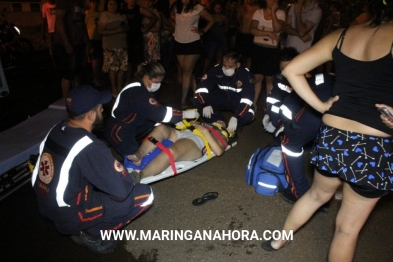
(380, 11)
(189, 7)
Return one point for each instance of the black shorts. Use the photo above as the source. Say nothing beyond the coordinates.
(361, 160)
(70, 65)
(364, 191)
(193, 48)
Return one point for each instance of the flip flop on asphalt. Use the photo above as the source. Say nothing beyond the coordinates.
(206, 197)
(267, 245)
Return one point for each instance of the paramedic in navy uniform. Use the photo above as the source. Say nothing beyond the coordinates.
(136, 110)
(79, 185)
(285, 110)
(235, 92)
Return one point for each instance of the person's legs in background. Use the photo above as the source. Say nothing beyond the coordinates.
(258, 78)
(187, 64)
(269, 84)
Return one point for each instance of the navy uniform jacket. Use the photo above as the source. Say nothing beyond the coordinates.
(288, 106)
(77, 180)
(238, 89)
(281, 89)
(136, 111)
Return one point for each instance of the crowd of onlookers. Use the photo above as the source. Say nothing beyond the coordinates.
(124, 33)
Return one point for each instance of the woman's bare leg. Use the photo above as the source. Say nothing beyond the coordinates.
(179, 73)
(258, 78)
(187, 64)
(269, 84)
(350, 219)
(182, 150)
(320, 192)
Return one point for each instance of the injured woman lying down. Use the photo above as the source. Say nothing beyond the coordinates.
(188, 144)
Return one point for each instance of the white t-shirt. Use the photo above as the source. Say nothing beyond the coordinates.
(313, 15)
(184, 23)
(267, 24)
(49, 12)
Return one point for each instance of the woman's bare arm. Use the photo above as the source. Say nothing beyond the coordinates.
(217, 149)
(304, 63)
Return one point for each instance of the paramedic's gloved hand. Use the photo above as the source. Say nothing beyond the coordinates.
(268, 126)
(190, 114)
(232, 124)
(207, 111)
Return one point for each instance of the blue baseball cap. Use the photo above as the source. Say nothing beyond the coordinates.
(82, 99)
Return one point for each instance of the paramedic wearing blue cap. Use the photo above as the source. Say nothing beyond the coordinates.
(235, 93)
(287, 112)
(136, 110)
(79, 185)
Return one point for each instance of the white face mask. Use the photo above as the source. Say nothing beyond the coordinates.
(228, 72)
(154, 87)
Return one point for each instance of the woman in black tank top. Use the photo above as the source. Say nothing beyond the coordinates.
(353, 147)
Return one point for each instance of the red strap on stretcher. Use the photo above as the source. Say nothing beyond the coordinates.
(165, 150)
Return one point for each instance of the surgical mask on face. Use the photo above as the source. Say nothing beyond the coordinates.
(154, 87)
(228, 72)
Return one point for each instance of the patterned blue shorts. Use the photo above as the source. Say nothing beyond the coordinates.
(357, 158)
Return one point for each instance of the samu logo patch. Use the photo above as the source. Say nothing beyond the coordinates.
(46, 170)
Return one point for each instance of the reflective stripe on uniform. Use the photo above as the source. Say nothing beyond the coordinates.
(237, 90)
(286, 112)
(272, 100)
(246, 101)
(284, 88)
(290, 153)
(118, 97)
(275, 109)
(37, 165)
(65, 168)
(149, 201)
(251, 111)
(319, 79)
(168, 115)
(202, 90)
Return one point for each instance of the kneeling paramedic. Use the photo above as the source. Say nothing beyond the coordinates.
(287, 111)
(79, 185)
(235, 93)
